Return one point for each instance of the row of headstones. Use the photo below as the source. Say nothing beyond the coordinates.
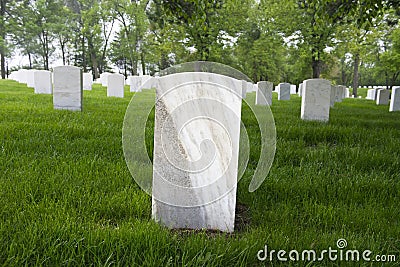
(66, 84)
(381, 96)
(318, 95)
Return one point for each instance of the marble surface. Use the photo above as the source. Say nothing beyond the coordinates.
(67, 88)
(395, 99)
(371, 94)
(30, 78)
(315, 103)
(382, 97)
(284, 91)
(135, 83)
(339, 93)
(346, 92)
(264, 93)
(300, 93)
(104, 78)
(334, 89)
(115, 85)
(87, 81)
(244, 88)
(42, 82)
(293, 89)
(196, 146)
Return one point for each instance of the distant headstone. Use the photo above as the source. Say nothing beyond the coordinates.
(371, 94)
(383, 97)
(104, 78)
(333, 95)
(42, 82)
(346, 92)
(30, 78)
(300, 89)
(376, 92)
(68, 88)
(135, 83)
(87, 81)
(115, 85)
(284, 91)
(339, 93)
(293, 89)
(264, 93)
(195, 163)
(315, 102)
(244, 88)
(395, 99)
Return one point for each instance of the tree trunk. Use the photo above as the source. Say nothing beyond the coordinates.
(3, 36)
(355, 73)
(316, 64)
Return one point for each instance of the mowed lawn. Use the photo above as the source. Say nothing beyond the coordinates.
(67, 197)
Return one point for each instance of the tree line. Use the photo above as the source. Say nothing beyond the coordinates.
(350, 42)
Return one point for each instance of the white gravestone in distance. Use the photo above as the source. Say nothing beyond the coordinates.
(284, 91)
(135, 83)
(115, 85)
(30, 78)
(395, 99)
(383, 97)
(87, 81)
(315, 102)
(346, 92)
(333, 95)
(104, 78)
(196, 147)
(244, 88)
(42, 82)
(264, 93)
(339, 93)
(300, 89)
(293, 89)
(371, 94)
(67, 88)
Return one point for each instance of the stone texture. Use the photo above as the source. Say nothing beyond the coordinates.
(395, 99)
(67, 90)
(87, 81)
(104, 78)
(382, 97)
(293, 89)
(371, 94)
(346, 93)
(284, 91)
(334, 89)
(196, 146)
(42, 82)
(30, 78)
(315, 102)
(300, 89)
(339, 93)
(264, 93)
(244, 88)
(115, 85)
(135, 83)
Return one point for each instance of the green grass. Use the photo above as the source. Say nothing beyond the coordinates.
(68, 199)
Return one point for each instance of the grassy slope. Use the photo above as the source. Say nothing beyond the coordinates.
(68, 198)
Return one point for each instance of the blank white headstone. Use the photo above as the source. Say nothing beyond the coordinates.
(196, 147)
(104, 78)
(284, 91)
(115, 85)
(30, 78)
(293, 89)
(395, 99)
(67, 90)
(383, 97)
(42, 82)
(264, 93)
(87, 81)
(300, 89)
(333, 95)
(244, 88)
(315, 102)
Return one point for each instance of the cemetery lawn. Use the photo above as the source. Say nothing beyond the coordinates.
(68, 199)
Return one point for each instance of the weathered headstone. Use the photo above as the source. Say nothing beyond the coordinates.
(115, 85)
(244, 88)
(315, 102)
(284, 91)
(383, 97)
(333, 95)
(42, 82)
(67, 88)
(196, 146)
(395, 99)
(371, 94)
(87, 81)
(339, 93)
(264, 93)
